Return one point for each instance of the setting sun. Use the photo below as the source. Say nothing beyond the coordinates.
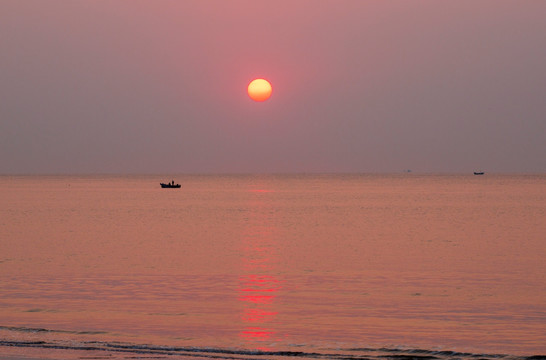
(259, 90)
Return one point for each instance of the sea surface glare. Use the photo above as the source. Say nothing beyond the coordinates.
(273, 267)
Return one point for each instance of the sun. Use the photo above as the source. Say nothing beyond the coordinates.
(259, 90)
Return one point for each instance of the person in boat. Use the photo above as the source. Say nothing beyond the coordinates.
(173, 182)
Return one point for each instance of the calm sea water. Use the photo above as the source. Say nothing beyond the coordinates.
(318, 266)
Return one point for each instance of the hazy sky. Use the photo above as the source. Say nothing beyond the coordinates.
(358, 86)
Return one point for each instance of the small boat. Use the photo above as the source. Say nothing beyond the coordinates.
(478, 173)
(170, 185)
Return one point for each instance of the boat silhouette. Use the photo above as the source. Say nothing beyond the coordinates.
(170, 185)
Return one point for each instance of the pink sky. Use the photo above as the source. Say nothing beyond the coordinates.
(358, 86)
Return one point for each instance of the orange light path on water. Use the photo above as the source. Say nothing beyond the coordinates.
(258, 289)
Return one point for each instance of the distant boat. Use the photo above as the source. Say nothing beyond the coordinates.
(170, 185)
(478, 173)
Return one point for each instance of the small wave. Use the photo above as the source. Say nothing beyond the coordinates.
(245, 354)
(41, 310)
(40, 330)
(24, 329)
(429, 353)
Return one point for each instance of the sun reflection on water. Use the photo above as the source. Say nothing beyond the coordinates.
(259, 287)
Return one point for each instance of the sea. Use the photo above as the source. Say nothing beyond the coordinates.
(306, 266)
